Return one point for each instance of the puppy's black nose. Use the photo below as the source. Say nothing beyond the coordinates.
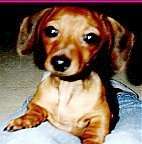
(60, 63)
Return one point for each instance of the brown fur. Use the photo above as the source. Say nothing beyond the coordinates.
(77, 106)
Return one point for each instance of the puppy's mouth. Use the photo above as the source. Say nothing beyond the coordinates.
(66, 68)
(63, 66)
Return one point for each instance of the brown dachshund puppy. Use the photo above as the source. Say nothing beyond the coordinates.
(66, 41)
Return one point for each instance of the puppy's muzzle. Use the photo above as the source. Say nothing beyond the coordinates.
(60, 63)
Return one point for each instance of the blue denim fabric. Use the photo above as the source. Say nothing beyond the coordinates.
(130, 112)
(128, 130)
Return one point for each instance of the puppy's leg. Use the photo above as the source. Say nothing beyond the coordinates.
(97, 128)
(33, 117)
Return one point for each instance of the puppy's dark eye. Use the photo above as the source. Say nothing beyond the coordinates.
(51, 31)
(91, 38)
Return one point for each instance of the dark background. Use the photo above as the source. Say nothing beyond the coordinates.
(129, 15)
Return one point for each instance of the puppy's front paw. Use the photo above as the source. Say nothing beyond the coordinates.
(90, 135)
(26, 121)
(90, 141)
(16, 124)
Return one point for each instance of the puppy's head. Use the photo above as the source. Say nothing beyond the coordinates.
(65, 39)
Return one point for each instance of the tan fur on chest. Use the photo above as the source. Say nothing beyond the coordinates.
(69, 104)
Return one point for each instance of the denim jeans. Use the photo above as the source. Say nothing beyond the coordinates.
(128, 129)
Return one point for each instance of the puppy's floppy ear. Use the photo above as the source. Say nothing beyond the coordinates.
(123, 43)
(26, 36)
